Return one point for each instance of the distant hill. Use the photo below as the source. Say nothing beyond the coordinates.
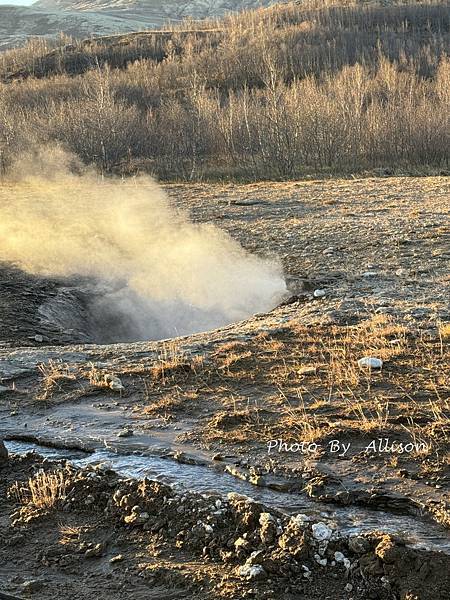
(84, 18)
(17, 24)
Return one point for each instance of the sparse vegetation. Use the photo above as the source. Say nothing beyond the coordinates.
(42, 491)
(275, 93)
(54, 374)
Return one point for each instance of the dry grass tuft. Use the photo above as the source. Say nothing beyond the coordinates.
(44, 490)
(53, 376)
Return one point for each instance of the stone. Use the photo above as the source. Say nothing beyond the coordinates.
(321, 532)
(123, 433)
(339, 557)
(95, 551)
(320, 561)
(370, 362)
(3, 452)
(348, 587)
(32, 585)
(137, 518)
(307, 370)
(39, 338)
(319, 293)
(117, 558)
(300, 519)
(268, 531)
(114, 383)
(252, 571)
(359, 545)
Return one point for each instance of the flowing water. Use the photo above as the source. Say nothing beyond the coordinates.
(349, 520)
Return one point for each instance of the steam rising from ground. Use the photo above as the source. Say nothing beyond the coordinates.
(157, 274)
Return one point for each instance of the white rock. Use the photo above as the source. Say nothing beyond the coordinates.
(320, 561)
(39, 338)
(348, 587)
(339, 557)
(299, 520)
(370, 362)
(251, 571)
(347, 563)
(114, 383)
(370, 274)
(319, 293)
(321, 532)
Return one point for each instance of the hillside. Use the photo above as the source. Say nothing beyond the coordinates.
(84, 18)
(173, 9)
(19, 23)
(281, 93)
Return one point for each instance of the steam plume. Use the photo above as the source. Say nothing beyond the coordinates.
(159, 272)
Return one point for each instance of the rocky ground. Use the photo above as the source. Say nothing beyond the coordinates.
(268, 400)
(75, 533)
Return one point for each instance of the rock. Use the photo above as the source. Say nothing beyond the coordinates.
(252, 571)
(370, 362)
(300, 520)
(95, 551)
(137, 517)
(241, 544)
(116, 559)
(358, 545)
(268, 530)
(307, 370)
(114, 383)
(3, 452)
(123, 433)
(339, 557)
(369, 274)
(255, 558)
(293, 540)
(320, 561)
(319, 293)
(32, 585)
(321, 532)
(39, 338)
(348, 587)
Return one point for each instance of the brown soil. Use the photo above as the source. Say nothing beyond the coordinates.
(116, 538)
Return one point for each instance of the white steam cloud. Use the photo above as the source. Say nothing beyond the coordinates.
(155, 271)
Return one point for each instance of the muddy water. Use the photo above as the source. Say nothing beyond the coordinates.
(197, 478)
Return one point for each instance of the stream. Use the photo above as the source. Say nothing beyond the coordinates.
(417, 532)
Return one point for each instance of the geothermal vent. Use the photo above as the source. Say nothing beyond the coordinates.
(134, 268)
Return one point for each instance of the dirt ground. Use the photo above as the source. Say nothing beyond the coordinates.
(275, 400)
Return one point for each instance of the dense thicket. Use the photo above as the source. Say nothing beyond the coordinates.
(278, 93)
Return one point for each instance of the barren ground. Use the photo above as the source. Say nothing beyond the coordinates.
(379, 249)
